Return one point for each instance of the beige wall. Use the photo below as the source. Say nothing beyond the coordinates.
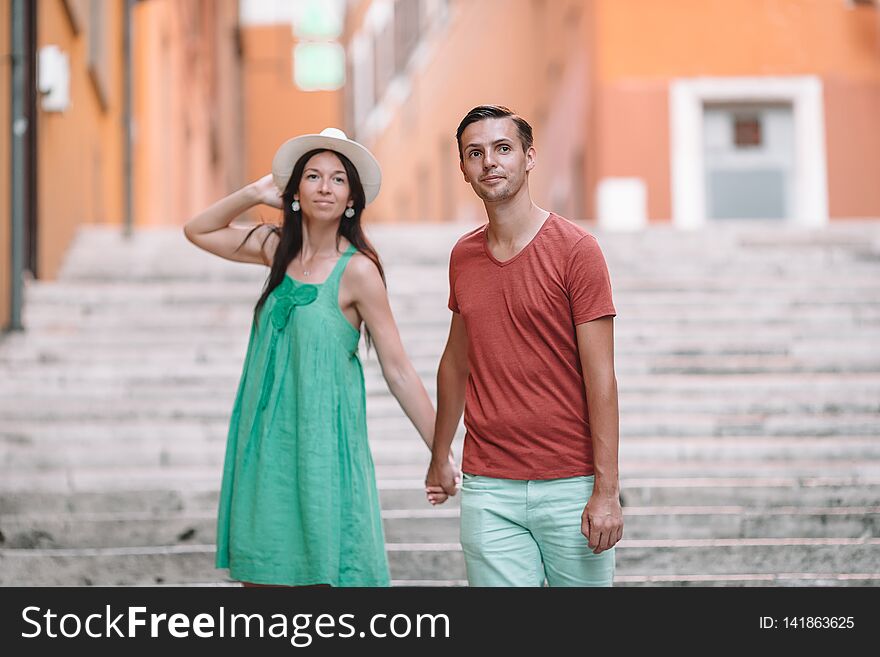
(5, 155)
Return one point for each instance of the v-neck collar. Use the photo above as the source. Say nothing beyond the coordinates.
(514, 258)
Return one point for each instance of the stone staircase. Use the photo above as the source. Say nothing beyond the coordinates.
(748, 361)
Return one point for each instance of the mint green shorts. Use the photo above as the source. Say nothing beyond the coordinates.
(521, 533)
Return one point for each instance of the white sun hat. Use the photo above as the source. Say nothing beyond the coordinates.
(332, 139)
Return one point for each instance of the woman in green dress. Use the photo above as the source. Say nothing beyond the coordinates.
(298, 502)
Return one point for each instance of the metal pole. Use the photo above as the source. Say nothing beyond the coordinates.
(17, 188)
(127, 145)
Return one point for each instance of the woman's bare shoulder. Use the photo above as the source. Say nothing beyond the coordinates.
(362, 272)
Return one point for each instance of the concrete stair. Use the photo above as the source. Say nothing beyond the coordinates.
(748, 360)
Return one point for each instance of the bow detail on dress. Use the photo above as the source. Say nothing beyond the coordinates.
(286, 300)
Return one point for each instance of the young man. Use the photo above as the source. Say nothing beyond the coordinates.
(530, 350)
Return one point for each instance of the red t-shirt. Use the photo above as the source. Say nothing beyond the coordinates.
(525, 404)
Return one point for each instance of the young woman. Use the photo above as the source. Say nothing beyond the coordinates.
(298, 502)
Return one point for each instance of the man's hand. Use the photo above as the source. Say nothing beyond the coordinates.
(602, 521)
(442, 480)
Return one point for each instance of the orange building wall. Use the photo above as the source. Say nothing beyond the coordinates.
(157, 122)
(187, 128)
(641, 45)
(5, 155)
(79, 173)
(188, 133)
(527, 66)
(673, 38)
(274, 108)
(852, 119)
(632, 138)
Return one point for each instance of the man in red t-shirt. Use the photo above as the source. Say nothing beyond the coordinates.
(530, 361)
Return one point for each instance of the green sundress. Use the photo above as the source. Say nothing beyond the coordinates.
(298, 502)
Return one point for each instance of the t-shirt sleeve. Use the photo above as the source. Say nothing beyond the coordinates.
(453, 301)
(588, 282)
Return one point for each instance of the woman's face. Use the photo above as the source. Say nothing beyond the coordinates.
(324, 191)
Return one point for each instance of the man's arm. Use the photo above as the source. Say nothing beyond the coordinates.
(602, 519)
(452, 375)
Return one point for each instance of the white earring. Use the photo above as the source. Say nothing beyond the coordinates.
(349, 212)
(295, 205)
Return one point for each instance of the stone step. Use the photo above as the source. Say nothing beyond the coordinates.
(190, 402)
(197, 446)
(756, 493)
(684, 318)
(195, 415)
(427, 287)
(631, 263)
(116, 477)
(848, 580)
(769, 389)
(144, 529)
(751, 580)
(749, 384)
(419, 240)
(643, 424)
(132, 368)
(437, 525)
(425, 357)
(234, 305)
(226, 280)
(94, 303)
(214, 400)
(206, 371)
(173, 452)
(630, 335)
(419, 561)
(694, 395)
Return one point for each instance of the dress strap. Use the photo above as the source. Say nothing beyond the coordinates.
(336, 275)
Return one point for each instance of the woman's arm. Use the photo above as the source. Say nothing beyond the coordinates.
(210, 229)
(371, 300)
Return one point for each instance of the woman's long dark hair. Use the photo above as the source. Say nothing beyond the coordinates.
(291, 231)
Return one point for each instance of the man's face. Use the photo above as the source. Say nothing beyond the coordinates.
(493, 161)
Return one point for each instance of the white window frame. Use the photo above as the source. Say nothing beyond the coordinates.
(688, 97)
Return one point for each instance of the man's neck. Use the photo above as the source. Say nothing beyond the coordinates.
(515, 221)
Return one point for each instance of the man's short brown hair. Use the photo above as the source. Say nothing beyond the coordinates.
(482, 112)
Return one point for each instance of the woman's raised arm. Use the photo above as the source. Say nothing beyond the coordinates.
(210, 229)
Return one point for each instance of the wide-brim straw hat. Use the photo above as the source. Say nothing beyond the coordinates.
(332, 139)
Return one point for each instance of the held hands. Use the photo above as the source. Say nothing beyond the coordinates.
(602, 521)
(266, 191)
(443, 479)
